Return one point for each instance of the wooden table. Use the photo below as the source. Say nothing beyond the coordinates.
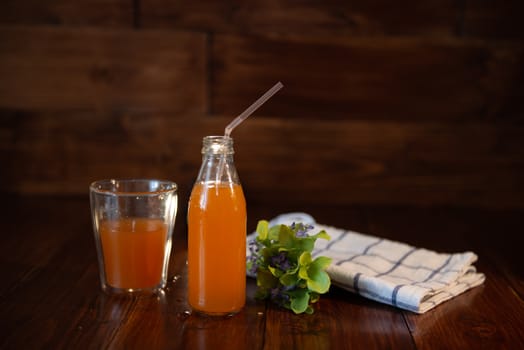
(50, 294)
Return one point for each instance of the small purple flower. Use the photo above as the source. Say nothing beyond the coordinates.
(278, 295)
(300, 229)
(254, 246)
(253, 264)
(254, 259)
(281, 261)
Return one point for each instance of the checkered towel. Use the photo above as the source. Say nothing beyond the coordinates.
(390, 272)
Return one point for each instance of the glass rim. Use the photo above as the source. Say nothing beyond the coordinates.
(98, 186)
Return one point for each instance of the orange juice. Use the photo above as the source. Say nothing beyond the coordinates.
(217, 248)
(133, 250)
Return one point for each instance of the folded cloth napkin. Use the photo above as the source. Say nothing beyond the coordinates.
(389, 272)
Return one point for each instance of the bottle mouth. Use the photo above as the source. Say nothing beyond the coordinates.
(217, 145)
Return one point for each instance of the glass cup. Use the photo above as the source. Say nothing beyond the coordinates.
(133, 223)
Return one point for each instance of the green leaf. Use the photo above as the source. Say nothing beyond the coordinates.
(289, 279)
(322, 262)
(275, 272)
(313, 297)
(318, 280)
(265, 279)
(286, 237)
(299, 301)
(261, 293)
(313, 272)
(322, 234)
(305, 259)
(303, 273)
(305, 244)
(262, 229)
(268, 252)
(249, 265)
(293, 270)
(274, 232)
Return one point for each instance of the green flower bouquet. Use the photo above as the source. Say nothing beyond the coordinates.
(286, 272)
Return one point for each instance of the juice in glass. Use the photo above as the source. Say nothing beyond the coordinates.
(133, 251)
(217, 248)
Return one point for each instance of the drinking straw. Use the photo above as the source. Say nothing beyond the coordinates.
(234, 123)
(252, 108)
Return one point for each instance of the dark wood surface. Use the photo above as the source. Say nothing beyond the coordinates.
(50, 295)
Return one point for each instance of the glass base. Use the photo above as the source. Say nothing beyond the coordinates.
(108, 289)
(228, 313)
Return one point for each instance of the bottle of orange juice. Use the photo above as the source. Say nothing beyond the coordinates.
(217, 233)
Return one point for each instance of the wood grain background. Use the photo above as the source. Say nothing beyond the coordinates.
(419, 103)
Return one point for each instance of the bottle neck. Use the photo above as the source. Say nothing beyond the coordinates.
(218, 166)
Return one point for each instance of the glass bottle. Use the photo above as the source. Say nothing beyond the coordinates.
(217, 233)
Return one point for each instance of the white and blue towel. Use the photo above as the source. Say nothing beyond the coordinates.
(390, 272)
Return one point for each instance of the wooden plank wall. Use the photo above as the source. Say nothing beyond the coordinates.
(418, 103)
